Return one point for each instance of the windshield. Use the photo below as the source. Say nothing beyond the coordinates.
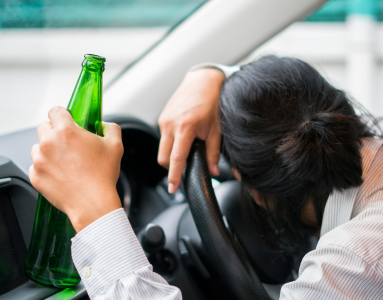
(43, 43)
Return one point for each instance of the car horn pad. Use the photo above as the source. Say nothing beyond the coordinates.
(227, 257)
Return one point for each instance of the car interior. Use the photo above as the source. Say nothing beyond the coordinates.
(201, 225)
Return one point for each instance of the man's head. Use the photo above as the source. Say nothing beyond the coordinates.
(293, 138)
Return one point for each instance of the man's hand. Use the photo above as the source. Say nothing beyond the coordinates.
(193, 111)
(76, 170)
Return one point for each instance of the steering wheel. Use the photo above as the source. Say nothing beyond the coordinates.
(228, 258)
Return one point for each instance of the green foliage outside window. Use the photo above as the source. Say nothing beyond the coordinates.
(130, 13)
(337, 10)
(93, 13)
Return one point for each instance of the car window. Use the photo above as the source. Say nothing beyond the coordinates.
(43, 43)
(342, 40)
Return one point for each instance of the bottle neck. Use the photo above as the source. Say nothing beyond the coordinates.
(85, 104)
(93, 63)
(93, 66)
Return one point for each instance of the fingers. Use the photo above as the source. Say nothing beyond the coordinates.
(179, 154)
(113, 138)
(43, 129)
(60, 117)
(34, 151)
(213, 149)
(38, 164)
(173, 153)
(31, 173)
(165, 150)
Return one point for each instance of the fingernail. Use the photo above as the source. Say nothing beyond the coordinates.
(215, 170)
(171, 188)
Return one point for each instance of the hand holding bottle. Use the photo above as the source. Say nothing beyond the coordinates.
(193, 111)
(48, 259)
(76, 170)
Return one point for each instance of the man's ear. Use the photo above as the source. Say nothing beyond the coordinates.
(236, 174)
(258, 197)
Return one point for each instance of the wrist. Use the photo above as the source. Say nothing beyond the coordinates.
(83, 216)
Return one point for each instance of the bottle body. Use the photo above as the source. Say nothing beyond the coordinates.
(49, 260)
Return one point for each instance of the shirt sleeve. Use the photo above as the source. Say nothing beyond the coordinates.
(113, 265)
(334, 272)
(227, 71)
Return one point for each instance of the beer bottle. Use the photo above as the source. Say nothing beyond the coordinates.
(49, 260)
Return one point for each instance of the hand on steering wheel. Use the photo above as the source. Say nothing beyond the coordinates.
(193, 111)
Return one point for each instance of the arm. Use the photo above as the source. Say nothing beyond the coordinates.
(77, 172)
(333, 272)
(192, 111)
(347, 263)
(112, 264)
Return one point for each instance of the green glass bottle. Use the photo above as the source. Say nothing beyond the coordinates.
(49, 260)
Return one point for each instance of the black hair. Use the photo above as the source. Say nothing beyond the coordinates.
(294, 138)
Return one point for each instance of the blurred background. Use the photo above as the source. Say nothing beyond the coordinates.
(42, 43)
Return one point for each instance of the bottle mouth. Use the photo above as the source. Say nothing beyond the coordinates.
(95, 58)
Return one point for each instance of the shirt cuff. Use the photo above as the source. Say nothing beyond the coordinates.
(107, 250)
(227, 71)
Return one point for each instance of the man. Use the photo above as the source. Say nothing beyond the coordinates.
(68, 156)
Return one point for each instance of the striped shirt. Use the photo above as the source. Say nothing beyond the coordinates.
(112, 264)
(348, 260)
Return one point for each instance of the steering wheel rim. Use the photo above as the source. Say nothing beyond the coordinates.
(228, 259)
